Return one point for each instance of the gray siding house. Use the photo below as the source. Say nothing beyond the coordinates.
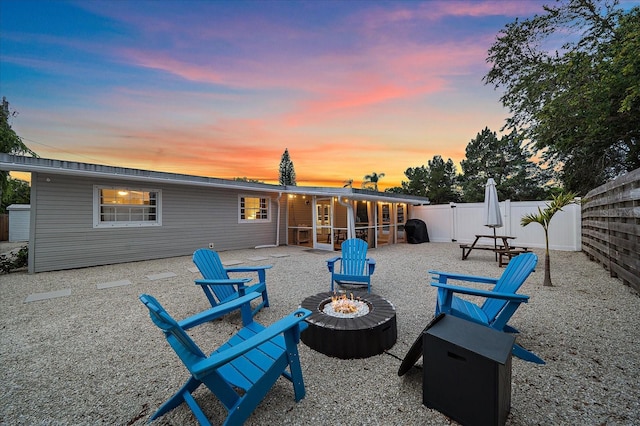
(86, 214)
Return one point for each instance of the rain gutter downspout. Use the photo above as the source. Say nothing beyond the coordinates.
(277, 227)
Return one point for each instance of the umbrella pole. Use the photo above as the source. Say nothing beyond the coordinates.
(495, 244)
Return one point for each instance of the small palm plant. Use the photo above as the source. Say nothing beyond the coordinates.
(543, 217)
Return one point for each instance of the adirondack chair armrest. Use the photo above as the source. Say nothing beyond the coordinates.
(331, 263)
(520, 298)
(372, 265)
(217, 359)
(248, 268)
(231, 281)
(220, 310)
(260, 269)
(442, 277)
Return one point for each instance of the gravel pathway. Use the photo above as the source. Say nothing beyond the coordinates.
(92, 355)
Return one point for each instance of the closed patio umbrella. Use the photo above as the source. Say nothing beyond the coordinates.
(493, 216)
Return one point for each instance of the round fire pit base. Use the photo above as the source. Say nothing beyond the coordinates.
(347, 338)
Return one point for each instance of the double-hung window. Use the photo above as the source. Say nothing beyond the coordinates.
(253, 209)
(125, 206)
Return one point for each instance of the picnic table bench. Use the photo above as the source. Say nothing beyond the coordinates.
(509, 253)
(501, 247)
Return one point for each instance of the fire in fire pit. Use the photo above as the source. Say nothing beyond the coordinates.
(345, 307)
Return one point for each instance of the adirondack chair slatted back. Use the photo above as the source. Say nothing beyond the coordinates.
(514, 275)
(211, 268)
(179, 340)
(354, 254)
(355, 268)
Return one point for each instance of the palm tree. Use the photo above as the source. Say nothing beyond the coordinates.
(372, 179)
(543, 217)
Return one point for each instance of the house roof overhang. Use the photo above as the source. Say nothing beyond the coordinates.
(18, 163)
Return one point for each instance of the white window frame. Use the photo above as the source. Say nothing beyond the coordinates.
(97, 208)
(267, 200)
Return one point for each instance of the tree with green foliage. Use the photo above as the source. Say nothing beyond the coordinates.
(418, 183)
(578, 103)
(10, 143)
(507, 162)
(442, 181)
(287, 174)
(436, 181)
(371, 181)
(17, 191)
(543, 217)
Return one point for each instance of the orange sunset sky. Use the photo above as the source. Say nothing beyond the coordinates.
(222, 88)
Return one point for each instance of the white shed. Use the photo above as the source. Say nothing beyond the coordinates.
(19, 219)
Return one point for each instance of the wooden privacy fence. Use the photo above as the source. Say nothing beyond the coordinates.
(4, 227)
(611, 227)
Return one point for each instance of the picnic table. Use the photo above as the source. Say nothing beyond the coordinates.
(500, 247)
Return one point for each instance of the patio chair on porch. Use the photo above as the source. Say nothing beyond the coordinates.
(355, 268)
(219, 287)
(239, 373)
(500, 303)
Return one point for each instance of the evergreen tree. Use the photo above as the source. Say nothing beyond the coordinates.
(437, 181)
(418, 181)
(287, 174)
(442, 181)
(507, 162)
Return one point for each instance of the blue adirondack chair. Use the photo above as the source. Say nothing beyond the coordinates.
(355, 268)
(219, 287)
(501, 301)
(242, 371)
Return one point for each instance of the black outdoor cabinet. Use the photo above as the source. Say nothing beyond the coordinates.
(467, 371)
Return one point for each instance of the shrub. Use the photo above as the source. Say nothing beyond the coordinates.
(14, 260)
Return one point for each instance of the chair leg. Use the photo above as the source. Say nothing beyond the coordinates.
(178, 398)
(526, 355)
(508, 329)
(291, 339)
(196, 410)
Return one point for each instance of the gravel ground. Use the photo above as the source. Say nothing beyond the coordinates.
(94, 357)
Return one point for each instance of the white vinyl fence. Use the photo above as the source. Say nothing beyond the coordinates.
(461, 222)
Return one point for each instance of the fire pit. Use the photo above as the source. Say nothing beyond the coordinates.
(363, 325)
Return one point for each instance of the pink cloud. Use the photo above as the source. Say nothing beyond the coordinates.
(436, 10)
(164, 62)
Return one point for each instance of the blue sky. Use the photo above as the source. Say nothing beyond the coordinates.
(222, 88)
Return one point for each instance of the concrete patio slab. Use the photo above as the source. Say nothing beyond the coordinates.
(257, 258)
(161, 276)
(49, 295)
(111, 284)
